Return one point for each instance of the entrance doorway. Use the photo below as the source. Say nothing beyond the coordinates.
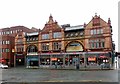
(19, 61)
(34, 63)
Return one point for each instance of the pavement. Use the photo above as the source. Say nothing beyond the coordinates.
(81, 68)
(22, 74)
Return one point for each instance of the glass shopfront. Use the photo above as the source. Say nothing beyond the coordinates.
(32, 61)
(19, 59)
(51, 59)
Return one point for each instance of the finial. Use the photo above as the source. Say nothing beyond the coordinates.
(95, 14)
(50, 19)
(84, 24)
(50, 15)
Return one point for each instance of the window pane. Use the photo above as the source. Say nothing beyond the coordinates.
(45, 36)
(103, 45)
(57, 35)
(91, 31)
(45, 46)
(94, 31)
(57, 45)
(101, 31)
(98, 31)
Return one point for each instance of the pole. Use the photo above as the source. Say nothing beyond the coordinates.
(50, 59)
(39, 60)
(68, 60)
(64, 60)
(84, 59)
(14, 60)
(79, 59)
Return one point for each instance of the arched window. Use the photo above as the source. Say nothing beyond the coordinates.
(74, 46)
(32, 48)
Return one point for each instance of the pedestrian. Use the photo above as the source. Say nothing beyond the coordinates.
(55, 65)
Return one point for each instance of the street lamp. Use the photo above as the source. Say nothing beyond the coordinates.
(13, 51)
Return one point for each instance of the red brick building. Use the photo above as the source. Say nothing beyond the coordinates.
(67, 45)
(7, 42)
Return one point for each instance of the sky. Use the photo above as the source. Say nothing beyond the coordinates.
(35, 13)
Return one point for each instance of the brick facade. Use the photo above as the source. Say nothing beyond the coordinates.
(7, 42)
(63, 43)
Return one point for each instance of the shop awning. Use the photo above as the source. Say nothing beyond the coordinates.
(2, 60)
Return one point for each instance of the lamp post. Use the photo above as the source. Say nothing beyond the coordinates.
(13, 51)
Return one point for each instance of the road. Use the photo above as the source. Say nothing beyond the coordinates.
(21, 74)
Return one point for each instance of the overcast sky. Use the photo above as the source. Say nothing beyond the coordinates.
(35, 13)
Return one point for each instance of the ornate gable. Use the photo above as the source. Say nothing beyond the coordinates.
(98, 22)
(51, 25)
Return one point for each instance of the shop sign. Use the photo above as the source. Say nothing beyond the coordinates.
(32, 53)
(53, 59)
(91, 58)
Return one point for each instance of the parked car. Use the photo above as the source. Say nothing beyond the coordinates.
(3, 66)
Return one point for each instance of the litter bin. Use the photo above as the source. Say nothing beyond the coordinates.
(77, 66)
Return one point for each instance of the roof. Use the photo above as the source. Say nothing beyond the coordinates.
(32, 34)
(74, 27)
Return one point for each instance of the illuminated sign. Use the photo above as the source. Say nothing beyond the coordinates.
(53, 59)
(91, 58)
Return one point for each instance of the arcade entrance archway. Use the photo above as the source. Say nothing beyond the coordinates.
(32, 57)
(72, 53)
